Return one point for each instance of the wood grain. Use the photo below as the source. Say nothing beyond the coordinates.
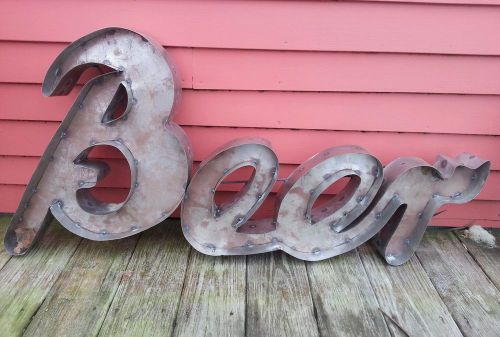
(4, 223)
(78, 302)
(487, 258)
(213, 300)
(473, 301)
(147, 299)
(343, 297)
(278, 297)
(407, 296)
(25, 281)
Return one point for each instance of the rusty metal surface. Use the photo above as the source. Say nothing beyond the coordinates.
(156, 150)
(393, 205)
(414, 190)
(397, 201)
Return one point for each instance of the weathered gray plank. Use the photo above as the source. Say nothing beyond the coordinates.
(25, 281)
(406, 295)
(4, 222)
(472, 299)
(279, 299)
(487, 258)
(343, 297)
(213, 300)
(148, 296)
(79, 300)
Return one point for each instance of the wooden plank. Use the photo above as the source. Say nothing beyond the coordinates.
(455, 2)
(291, 146)
(472, 299)
(356, 72)
(344, 300)
(236, 69)
(15, 170)
(406, 295)
(487, 258)
(80, 299)
(34, 70)
(278, 297)
(471, 114)
(25, 281)
(213, 299)
(4, 223)
(298, 25)
(148, 296)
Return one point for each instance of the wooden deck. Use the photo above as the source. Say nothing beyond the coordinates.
(154, 284)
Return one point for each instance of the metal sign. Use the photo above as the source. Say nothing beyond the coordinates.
(393, 205)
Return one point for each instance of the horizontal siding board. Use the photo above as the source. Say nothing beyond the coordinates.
(229, 69)
(461, 114)
(18, 170)
(292, 146)
(296, 25)
(451, 2)
(480, 210)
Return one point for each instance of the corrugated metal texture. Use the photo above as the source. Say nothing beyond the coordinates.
(413, 78)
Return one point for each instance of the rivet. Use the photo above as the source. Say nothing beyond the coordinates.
(106, 62)
(34, 190)
(255, 162)
(134, 228)
(473, 177)
(212, 190)
(77, 224)
(378, 215)
(120, 68)
(80, 106)
(225, 171)
(211, 247)
(63, 134)
(435, 195)
(27, 205)
(134, 100)
(249, 244)
(136, 185)
(360, 198)
(253, 226)
(444, 163)
(420, 215)
(259, 196)
(136, 162)
(119, 140)
(81, 183)
(457, 194)
(407, 242)
(129, 81)
(92, 142)
(58, 71)
(316, 251)
(103, 232)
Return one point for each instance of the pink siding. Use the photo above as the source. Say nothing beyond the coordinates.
(399, 78)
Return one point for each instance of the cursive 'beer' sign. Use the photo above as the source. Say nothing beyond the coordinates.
(393, 205)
